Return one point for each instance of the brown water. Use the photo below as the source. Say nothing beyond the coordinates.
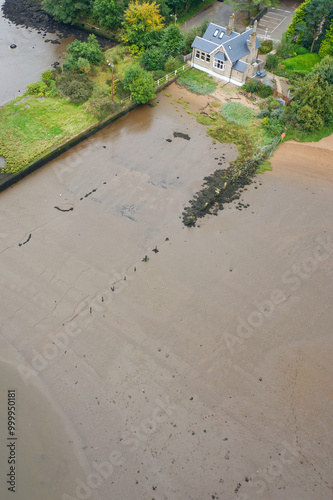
(25, 63)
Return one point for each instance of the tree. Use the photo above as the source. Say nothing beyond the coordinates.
(324, 69)
(172, 41)
(108, 13)
(299, 17)
(139, 83)
(314, 97)
(66, 11)
(317, 11)
(142, 21)
(90, 51)
(153, 59)
(326, 47)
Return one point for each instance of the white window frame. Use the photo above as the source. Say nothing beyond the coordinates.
(207, 58)
(218, 64)
(197, 54)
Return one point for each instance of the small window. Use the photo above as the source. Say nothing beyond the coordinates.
(203, 56)
(218, 64)
(197, 54)
(216, 32)
(221, 35)
(229, 47)
(208, 58)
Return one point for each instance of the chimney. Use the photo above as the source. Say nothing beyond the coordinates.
(253, 38)
(231, 24)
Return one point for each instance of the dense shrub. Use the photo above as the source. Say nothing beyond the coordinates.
(251, 86)
(76, 86)
(264, 91)
(47, 76)
(90, 51)
(153, 59)
(37, 88)
(266, 46)
(272, 62)
(171, 64)
(100, 104)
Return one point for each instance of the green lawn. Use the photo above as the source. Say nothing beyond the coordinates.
(198, 82)
(31, 126)
(300, 64)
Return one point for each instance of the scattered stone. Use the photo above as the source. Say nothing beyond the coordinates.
(155, 250)
(145, 259)
(13, 46)
(168, 140)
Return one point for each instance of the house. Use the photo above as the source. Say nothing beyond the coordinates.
(226, 54)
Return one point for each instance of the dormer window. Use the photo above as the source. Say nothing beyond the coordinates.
(216, 32)
(221, 35)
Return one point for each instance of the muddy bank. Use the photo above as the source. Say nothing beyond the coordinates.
(206, 367)
(29, 14)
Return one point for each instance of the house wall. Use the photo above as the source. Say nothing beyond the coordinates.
(202, 63)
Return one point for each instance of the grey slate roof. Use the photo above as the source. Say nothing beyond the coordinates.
(212, 28)
(238, 46)
(204, 45)
(240, 66)
(220, 56)
(235, 45)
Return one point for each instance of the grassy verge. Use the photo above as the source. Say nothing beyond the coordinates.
(198, 82)
(31, 126)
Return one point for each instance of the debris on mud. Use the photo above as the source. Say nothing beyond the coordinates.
(181, 135)
(26, 241)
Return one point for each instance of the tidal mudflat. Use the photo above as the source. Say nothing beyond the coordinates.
(201, 371)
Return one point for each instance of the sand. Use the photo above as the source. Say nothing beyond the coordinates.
(204, 372)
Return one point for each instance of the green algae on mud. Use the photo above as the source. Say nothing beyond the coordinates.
(223, 186)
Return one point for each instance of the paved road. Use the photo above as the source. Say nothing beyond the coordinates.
(218, 13)
(275, 21)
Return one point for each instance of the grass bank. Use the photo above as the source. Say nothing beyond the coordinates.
(31, 126)
(299, 65)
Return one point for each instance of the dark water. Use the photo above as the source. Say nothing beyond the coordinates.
(25, 63)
